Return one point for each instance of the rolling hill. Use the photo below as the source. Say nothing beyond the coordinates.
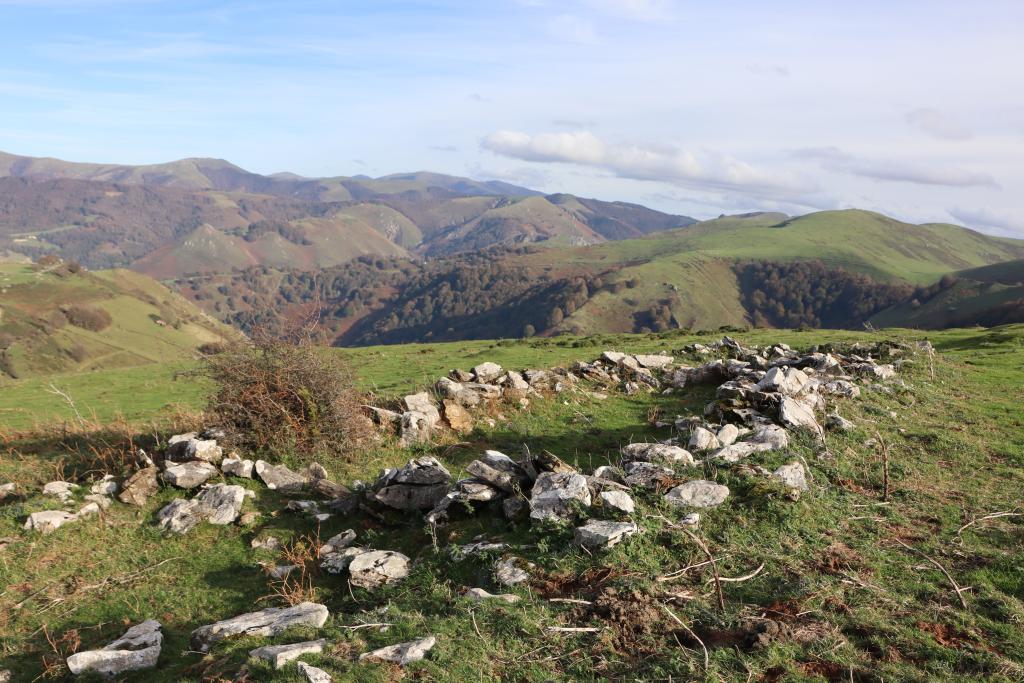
(833, 269)
(161, 218)
(59, 318)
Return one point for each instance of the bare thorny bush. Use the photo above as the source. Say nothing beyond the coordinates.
(287, 395)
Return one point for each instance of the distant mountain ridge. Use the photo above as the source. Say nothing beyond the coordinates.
(196, 216)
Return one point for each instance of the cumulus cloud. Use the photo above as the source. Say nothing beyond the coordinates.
(993, 221)
(836, 160)
(938, 125)
(664, 163)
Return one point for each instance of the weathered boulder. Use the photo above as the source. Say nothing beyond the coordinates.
(338, 542)
(414, 428)
(665, 454)
(702, 439)
(107, 486)
(796, 415)
(728, 434)
(458, 418)
(237, 467)
(500, 471)
(419, 485)
(337, 561)
(313, 674)
(218, 504)
(189, 475)
(268, 622)
(377, 568)
(279, 655)
(698, 493)
(403, 653)
(206, 450)
(619, 501)
(837, 422)
(554, 492)
(647, 475)
(423, 403)
(653, 361)
(49, 520)
(512, 571)
(487, 372)
(840, 387)
(786, 381)
(773, 435)
(137, 489)
(739, 450)
(137, 649)
(792, 475)
(600, 534)
(279, 477)
(63, 490)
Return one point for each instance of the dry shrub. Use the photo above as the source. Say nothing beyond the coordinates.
(275, 395)
(88, 317)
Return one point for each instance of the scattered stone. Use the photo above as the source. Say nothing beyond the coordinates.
(423, 404)
(107, 486)
(137, 649)
(728, 434)
(249, 518)
(514, 508)
(194, 449)
(499, 471)
(267, 623)
(8, 490)
(338, 561)
(403, 653)
(137, 489)
(512, 571)
(338, 542)
(414, 428)
(618, 500)
(237, 467)
(647, 475)
(313, 674)
(459, 419)
(266, 543)
(610, 473)
(377, 568)
(419, 485)
(218, 504)
(772, 435)
(49, 520)
(279, 477)
(279, 655)
(60, 489)
(792, 475)
(189, 475)
(553, 493)
(702, 439)
(837, 422)
(600, 534)
(479, 594)
(795, 414)
(692, 519)
(665, 454)
(698, 493)
(104, 502)
(487, 372)
(786, 381)
(654, 361)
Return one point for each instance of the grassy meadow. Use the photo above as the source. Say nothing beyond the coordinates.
(848, 587)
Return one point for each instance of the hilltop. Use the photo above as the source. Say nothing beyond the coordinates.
(205, 216)
(57, 317)
(832, 268)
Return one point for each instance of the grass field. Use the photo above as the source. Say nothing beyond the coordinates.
(854, 604)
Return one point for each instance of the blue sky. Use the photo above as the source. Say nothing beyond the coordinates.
(914, 108)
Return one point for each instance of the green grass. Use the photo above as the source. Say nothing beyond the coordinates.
(869, 608)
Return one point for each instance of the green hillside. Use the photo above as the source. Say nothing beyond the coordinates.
(58, 318)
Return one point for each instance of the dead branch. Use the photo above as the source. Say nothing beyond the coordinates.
(952, 581)
(739, 579)
(707, 658)
(575, 629)
(992, 515)
(714, 567)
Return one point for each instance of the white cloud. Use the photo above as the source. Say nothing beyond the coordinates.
(993, 221)
(663, 163)
(938, 125)
(836, 160)
(637, 10)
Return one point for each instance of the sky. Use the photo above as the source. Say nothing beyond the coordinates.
(914, 108)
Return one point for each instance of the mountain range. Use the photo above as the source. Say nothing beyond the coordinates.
(197, 216)
(426, 256)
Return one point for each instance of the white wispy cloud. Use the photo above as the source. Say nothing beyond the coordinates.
(654, 162)
(572, 29)
(838, 161)
(989, 220)
(938, 125)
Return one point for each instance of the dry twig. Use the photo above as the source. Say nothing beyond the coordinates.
(952, 581)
